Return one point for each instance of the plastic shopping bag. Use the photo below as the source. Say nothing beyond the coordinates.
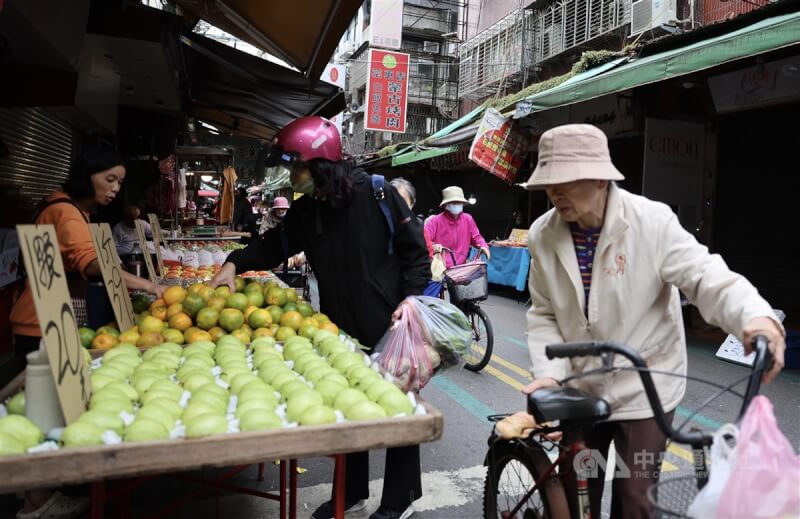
(765, 481)
(445, 328)
(723, 457)
(402, 352)
(437, 267)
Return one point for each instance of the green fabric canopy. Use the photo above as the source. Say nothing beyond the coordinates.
(766, 35)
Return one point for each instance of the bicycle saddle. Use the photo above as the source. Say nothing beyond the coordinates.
(566, 403)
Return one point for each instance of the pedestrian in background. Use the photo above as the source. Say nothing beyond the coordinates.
(455, 229)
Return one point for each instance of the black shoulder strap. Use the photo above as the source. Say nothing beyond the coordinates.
(379, 190)
(47, 203)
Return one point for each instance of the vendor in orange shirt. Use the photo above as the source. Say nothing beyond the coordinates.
(95, 179)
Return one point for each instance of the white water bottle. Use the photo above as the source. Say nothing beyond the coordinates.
(41, 398)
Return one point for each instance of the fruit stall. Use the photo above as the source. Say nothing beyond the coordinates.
(210, 377)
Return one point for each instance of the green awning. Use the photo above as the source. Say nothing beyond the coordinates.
(414, 156)
(764, 36)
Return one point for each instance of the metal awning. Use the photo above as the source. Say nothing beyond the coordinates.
(764, 36)
(303, 33)
(244, 94)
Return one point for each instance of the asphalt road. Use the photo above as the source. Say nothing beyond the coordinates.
(453, 473)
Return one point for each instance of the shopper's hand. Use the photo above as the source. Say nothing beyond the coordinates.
(437, 248)
(538, 384)
(398, 313)
(777, 343)
(225, 276)
(156, 290)
(485, 251)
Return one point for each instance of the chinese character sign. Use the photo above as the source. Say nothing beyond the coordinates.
(387, 91)
(386, 26)
(499, 146)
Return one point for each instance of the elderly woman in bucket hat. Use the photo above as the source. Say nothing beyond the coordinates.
(607, 265)
(455, 229)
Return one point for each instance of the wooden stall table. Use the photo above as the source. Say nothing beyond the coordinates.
(96, 465)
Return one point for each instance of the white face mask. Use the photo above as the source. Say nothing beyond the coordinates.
(454, 209)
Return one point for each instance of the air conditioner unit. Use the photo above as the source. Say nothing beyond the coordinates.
(650, 14)
(431, 47)
(347, 49)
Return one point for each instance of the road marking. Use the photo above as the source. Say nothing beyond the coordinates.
(513, 340)
(698, 418)
(475, 407)
(501, 361)
(496, 373)
(668, 467)
(682, 453)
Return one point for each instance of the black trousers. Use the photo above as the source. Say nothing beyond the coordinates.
(402, 482)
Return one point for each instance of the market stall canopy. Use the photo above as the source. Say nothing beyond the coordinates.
(303, 33)
(243, 94)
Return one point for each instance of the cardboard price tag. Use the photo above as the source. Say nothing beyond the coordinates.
(143, 243)
(111, 268)
(48, 282)
(157, 235)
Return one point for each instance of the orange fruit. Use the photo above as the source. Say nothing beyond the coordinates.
(231, 319)
(259, 318)
(206, 292)
(149, 339)
(207, 318)
(195, 288)
(246, 327)
(215, 333)
(249, 310)
(284, 332)
(242, 335)
(275, 296)
(174, 309)
(255, 298)
(263, 332)
(159, 312)
(129, 337)
(239, 282)
(216, 302)
(309, 322)
(192, 304)
(292, 319)
(237, 301)
(223, 291)
(308, 331)
(305, 309)
(174, 295)
(150, 324)
(320, 318)
(291, 295)
(104, 341)
(157, 302)
(173, 335)
(330, 327)
(108, 329)
(276, 313)
(196, 336)
(180, 322)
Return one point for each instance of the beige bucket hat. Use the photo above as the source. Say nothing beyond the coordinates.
(572, 152)
(453, 194)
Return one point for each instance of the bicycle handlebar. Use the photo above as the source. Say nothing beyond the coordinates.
(598, 348)
(481, 252)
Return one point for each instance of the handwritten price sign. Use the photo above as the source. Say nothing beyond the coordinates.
(143, 242)
(46, 275)
(112, 274)
(156, 227)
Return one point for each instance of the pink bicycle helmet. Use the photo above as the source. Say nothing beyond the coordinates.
(310, 137)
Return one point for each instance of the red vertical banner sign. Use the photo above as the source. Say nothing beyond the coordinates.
(387, 91)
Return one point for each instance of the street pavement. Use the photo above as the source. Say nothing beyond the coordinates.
(453, 473)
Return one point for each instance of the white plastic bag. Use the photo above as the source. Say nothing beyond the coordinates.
(437, 267)
(723, 457)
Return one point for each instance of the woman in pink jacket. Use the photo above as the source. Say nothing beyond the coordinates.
(455, 229)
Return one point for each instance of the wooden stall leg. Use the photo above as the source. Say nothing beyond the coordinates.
(292, 489)
(338, 487)
(261, 472)
(282, 468)
(98, 499)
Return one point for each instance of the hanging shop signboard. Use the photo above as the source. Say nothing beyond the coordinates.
(387, 91)
(499, 146)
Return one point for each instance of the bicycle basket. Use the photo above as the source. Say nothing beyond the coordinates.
(467, 282)
(671, 497)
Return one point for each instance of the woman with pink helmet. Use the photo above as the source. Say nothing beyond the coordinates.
(366, 262)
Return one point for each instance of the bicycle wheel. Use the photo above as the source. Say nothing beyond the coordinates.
(480, 350)
(512, 471)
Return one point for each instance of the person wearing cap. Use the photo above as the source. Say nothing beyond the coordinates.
(455, 229)
(275, 215)
(364, 270)
(606, 265)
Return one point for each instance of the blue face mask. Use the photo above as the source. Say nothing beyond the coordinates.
(454, 209)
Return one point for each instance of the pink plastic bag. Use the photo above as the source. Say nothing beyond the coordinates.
(765, 481)
(402, 352)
